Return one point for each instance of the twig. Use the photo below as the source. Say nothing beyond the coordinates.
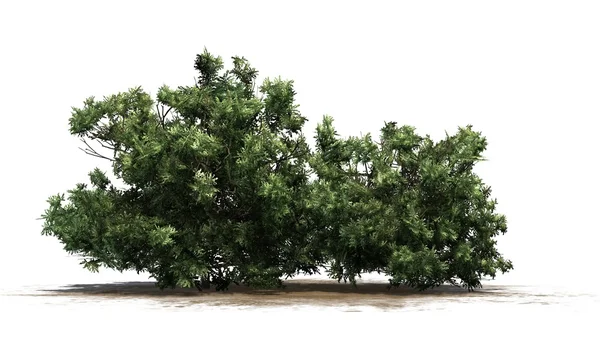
(106, 146)
(162, 114)
(93, 152)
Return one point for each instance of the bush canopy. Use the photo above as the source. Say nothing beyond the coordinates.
(221, 186)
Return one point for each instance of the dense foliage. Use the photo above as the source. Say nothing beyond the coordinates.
(221, 186)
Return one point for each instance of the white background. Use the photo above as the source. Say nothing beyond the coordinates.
(524, 73)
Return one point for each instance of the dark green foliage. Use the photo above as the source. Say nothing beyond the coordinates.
(406, 206)
(218, 189)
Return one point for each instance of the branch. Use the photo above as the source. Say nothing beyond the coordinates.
(160, 118)
(105, 146)
(93, 152)
(162, 114)
(203, 166)
(165, 113)
(290, 156)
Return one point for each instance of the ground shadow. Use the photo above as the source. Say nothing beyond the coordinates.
(291, 288)
(295, 293)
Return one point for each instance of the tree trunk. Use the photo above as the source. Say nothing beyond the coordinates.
(202, 283)
(205, 282)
